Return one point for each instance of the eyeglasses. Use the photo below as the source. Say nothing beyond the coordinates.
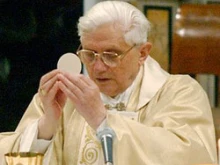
(111, 59)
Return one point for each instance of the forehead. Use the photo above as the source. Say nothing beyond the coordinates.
(107, 34)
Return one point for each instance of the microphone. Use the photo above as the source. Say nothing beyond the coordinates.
(106, 137)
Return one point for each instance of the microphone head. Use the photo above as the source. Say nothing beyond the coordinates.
(107, 131)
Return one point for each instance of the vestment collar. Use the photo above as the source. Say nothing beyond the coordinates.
(153, 79)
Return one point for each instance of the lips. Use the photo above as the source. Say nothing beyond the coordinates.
(101, 80)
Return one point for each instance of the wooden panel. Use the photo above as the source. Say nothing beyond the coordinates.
(160, 34)
(196, 40)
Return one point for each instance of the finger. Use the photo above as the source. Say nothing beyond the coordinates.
(46, 87)
(77, 80)
(71, 87)
(89, 84)
(53, 90)
(87, 80)
(47, 81)
(48, 76)
(67, 91)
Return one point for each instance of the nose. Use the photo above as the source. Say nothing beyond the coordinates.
(99, 65)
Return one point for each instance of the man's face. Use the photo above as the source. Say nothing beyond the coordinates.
(111, 80)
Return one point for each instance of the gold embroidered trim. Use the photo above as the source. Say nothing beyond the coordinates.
(91, 149)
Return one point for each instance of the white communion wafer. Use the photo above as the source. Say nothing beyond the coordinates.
(69, 62)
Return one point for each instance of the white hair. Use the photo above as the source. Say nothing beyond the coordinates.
(131, 20)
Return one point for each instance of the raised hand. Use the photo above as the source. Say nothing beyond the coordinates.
(53, 100)
(85, 95)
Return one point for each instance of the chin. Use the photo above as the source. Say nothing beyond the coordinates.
(112, 93)
(109, 93)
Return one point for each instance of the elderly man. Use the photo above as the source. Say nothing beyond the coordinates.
(157, 118)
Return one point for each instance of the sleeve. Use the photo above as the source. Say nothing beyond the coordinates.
(29, 141)
(102, 126)
(32, 113)
(28, 128)
(175, 127)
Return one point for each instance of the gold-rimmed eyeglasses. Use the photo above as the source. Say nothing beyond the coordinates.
(111, 59)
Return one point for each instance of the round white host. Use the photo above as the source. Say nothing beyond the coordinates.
(69, 62)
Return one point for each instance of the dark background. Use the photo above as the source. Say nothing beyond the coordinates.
(33, 35)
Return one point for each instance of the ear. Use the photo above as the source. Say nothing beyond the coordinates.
(144, 52)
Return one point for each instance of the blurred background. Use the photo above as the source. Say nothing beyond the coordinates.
(33, 35)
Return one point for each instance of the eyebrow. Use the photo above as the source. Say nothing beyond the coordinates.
(110, 49)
